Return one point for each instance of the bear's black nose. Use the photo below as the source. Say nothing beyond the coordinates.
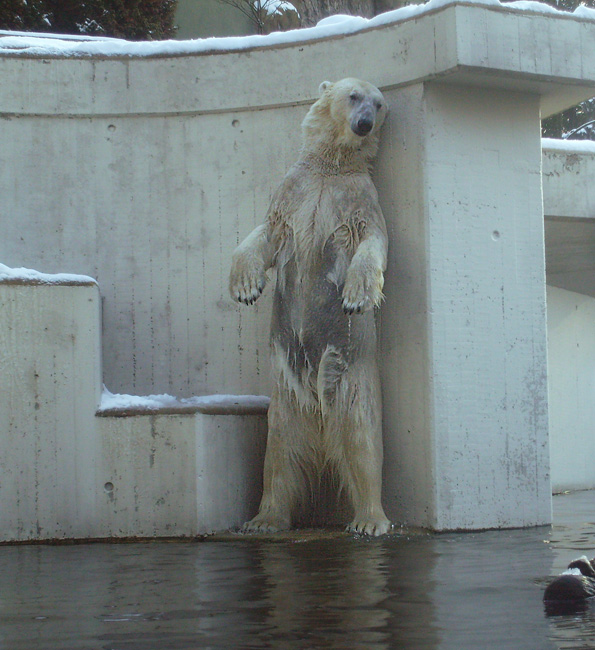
(364, 126)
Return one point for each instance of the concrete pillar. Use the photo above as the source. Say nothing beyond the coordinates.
(464, 358)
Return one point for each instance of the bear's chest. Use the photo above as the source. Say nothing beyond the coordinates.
(325, 213)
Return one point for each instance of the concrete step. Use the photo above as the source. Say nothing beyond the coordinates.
(77, 463)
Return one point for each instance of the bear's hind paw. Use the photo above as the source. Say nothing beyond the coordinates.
(371, 527)
(265, 524)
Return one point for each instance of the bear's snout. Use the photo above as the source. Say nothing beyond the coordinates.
(364, 125)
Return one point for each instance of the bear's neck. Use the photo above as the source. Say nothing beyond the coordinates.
(335, 159)
(330, 151)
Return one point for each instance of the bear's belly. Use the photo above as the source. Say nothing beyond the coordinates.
(308, 316)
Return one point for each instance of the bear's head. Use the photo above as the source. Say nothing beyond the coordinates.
(348, 115)
(356, 104)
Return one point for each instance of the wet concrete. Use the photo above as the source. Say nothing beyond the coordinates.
(308, 591)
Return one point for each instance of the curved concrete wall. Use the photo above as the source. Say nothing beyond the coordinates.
(144, 172)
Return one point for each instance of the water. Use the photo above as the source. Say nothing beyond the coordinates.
(312, 591)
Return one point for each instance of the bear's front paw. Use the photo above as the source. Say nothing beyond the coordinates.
(246, 282)
(362, 290)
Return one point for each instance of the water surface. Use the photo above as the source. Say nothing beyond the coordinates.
(312, 591)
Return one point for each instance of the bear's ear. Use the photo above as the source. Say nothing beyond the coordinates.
(323, 86)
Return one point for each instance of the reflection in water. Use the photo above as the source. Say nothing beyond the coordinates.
(346, 593)
(325, 600)
(326, 592)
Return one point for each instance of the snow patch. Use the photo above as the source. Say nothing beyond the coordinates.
(572, 572)
(16, 43)
(273, 7)
(8, 274)
(120, 402)
(342, 19)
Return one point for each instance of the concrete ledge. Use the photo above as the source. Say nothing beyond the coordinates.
(165, 475)
(49, 391)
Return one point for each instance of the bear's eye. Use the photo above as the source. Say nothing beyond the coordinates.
(378, 105)
(354, 96)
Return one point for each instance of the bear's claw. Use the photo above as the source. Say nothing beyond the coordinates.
(362, 290)
(353, 308)
(248, 289)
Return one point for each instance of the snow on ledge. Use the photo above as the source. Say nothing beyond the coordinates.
(574, 146)
(30, 276)
(15, 43)
(164, 404)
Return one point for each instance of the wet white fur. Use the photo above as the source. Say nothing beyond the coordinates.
(327, 412)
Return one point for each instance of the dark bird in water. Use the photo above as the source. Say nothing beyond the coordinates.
(571, 589)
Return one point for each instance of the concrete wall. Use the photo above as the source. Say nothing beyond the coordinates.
(571, 334)
(163, 178)
(145, 172)
(569, 205)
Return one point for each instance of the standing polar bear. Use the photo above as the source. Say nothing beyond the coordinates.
(326, 237)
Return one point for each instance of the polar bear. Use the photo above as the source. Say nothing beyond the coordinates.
(326, 237)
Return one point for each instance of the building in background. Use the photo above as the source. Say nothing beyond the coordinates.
(204, 18)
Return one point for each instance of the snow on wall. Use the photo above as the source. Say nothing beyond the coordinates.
(573, 146)
(40, 45)
(209, 403)
(30, 276)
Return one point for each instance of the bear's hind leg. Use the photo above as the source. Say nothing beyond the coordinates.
(353, 436)
(288, 460)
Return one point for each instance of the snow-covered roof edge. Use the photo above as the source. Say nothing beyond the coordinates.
(53, 45)
(30, 276)
(574, 146)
